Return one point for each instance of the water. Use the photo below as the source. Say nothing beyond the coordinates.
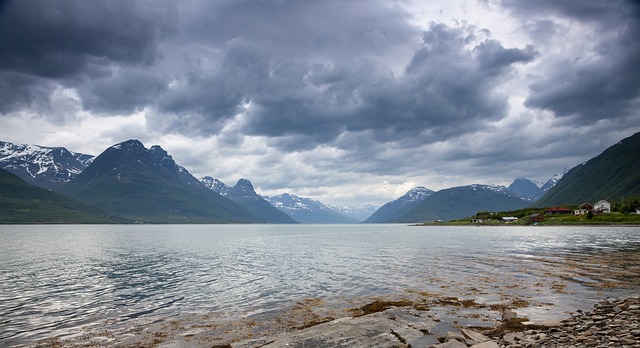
(57, 279)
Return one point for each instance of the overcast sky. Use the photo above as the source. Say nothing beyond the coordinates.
(351, 102)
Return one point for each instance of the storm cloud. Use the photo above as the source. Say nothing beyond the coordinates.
(352, 101)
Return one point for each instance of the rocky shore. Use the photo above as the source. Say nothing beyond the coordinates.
(399, 323)
(612, 323)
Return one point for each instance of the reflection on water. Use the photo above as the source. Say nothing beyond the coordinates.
(55, 279)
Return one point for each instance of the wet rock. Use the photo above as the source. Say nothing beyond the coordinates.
(612, 323)
(373, 330)
(474, 336)
(451, 344)
(489, 344)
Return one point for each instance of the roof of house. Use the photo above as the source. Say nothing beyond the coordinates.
(557, 209)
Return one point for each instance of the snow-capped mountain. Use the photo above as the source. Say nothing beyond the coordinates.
(216, 185)
(400, 206)
(463, 201)
(494, 188)
(357, 214)
(243, 194)
(554, 180)
(307, 210)
(42, 166)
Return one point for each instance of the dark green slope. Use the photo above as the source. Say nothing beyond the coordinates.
(146, 185)
(459, 202)
(23, 203)
(614, 173)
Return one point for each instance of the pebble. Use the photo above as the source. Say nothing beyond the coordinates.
(612, 323)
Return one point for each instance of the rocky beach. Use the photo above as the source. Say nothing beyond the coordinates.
(425, 323)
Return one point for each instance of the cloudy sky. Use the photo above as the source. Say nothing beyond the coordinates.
(347, 101)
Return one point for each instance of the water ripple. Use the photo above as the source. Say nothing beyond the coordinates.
(55, 279)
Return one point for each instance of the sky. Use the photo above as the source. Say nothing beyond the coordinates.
(350, 102)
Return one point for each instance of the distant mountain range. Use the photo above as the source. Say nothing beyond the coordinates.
(459, 202)
(130, 183)
(394, 210)
(354, 213)
(307, 210)
(421, 204)
(613, 174)
(532, 190)
(244, 195)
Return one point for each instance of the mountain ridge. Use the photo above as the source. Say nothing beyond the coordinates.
(41, 166)
(461, 201)
(245, 195)
(400, 206)
(307, 210)
(613, 173)
(134, 182)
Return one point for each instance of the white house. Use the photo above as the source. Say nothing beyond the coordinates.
(508, 219)
(603, 206)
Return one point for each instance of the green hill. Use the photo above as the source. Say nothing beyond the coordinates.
(22, 203)
(613, 174)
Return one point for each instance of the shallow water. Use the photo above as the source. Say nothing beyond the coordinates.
(56, 279)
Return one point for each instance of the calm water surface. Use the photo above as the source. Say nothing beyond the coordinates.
(55, 279)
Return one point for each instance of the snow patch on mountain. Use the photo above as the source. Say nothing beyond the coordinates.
(40, 165)
(287, 201)
(554, 180)
(358, 214)
(216, 185)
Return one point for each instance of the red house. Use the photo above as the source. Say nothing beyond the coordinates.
(557, 211)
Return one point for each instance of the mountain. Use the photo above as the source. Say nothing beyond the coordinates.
(215, 185)
(131, 181)
(244, 195)
(41, 166)
(529, 189)
(615, 173)
(459, 202)
(356, 214)
(307, 210)
(553, 181)
(24, 203)
(401, 206)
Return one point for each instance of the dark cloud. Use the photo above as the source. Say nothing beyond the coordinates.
(22, 91)
(590, 10)
(123, 90)
(449, 83)
(601, 83)
(71, 41)
(367, 88)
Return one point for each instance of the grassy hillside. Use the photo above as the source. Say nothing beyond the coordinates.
(22, 203)
(613, 174)
(154, 200)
